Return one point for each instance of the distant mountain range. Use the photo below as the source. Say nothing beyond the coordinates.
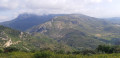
(114, 20)
(73, 30)
(26, 21)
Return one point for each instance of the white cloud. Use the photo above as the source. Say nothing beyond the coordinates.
(3, 18)
(89, 7)
(109, 0)
(8, 4)
(47, 5)
(96, 1)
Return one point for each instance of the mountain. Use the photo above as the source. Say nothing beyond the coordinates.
(73, 30)
(76, 22)
(24, 41)
(26, 21)
(114, 20)
(77, 30)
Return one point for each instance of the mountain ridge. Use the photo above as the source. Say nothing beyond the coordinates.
(26, 21)
(60, 27)
(75, 30)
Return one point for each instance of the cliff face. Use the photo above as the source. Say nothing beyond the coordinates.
(10, 37)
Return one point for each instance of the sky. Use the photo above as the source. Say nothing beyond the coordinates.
(10, 9)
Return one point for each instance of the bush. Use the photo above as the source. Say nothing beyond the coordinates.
(76, 52)
(116, 49)
(10, 49)
(105, 49)
(88, 52)
(44, 54)
(1, 50)
(61, 52)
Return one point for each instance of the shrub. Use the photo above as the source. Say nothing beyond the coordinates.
(105, 49)
(61, 52)
(76, 52)
(1, 50)
(116, 49)
(10, 49)
(88, 52)
(44, 54)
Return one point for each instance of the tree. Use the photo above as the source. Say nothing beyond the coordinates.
(43, 54)
(1, 50)
(105, 49)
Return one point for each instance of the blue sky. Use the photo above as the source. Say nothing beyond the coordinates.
(10, 9)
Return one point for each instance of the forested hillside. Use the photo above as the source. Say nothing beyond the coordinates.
(24, 41)
(78, 31)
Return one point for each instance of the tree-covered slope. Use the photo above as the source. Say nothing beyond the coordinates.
(24, 41)
(76, 30)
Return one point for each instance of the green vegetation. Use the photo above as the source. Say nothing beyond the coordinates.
(26, 42)
(79, 31)
(102, 51)
(72, 30)
(33, 55)
(67, 36)
(10, 49)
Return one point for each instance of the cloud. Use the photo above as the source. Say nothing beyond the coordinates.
(96, 1)
(47, 5)
(52, 6)
(89, 7)
(109, 0)
(3, 18)
(8, 4)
